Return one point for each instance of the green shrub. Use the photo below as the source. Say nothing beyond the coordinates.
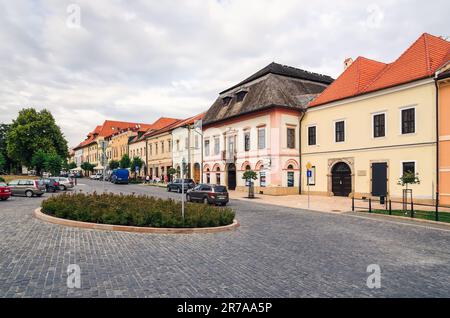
(133, 210)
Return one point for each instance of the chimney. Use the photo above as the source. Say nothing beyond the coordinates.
(347, 63)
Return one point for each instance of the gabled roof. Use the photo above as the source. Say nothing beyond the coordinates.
(274, 90)
(419, 61)
(163, 122)
(110, 127)
(177, 124)
(284, 70)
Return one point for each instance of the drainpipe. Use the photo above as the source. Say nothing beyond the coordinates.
(437, 139)
(300, 154)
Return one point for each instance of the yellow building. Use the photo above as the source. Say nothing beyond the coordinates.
(374, 123)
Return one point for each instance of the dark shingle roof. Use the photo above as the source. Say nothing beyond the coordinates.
(279, 69)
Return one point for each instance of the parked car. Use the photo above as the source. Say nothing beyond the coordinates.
(5, 191)
(177, 185)
(120, 176)
(97, 176)
(208, 194)
(27, 187)
(64, 183)
(51, 185)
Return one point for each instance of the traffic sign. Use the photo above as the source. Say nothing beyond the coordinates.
(309, 173)
(309, 166)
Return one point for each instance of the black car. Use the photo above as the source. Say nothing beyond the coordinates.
(176, 185)
(208, 193)
(51, 185)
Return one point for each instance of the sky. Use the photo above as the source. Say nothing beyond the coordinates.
(137, 60)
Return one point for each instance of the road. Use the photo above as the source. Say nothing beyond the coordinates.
(277, 252)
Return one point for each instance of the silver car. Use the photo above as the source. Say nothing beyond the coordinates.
(64, 183)
(27, 187)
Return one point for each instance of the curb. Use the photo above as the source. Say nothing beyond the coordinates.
(404, 218)
(133, 229)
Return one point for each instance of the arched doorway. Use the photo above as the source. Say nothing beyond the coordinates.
(231, 176)
(341, 179)
(197, 173)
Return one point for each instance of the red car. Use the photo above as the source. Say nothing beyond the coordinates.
(5, 191)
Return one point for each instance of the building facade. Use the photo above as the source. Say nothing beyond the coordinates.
(443, 84)
(255, 125)
(373, 124)
(187, 146)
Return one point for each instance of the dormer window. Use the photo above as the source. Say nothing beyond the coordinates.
(240, 96)
(226, 100)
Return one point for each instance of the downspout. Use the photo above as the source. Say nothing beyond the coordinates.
(437, 139)
(300, 153)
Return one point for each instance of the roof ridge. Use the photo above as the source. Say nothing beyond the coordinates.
(427, 52)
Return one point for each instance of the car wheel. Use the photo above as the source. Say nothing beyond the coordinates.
(188, 198)
(62, 188)
(39, 195)
(179, 190)
(4, 199)
(168, 189)
(29, 194)
(205, 200)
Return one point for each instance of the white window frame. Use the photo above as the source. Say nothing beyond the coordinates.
(209, 147)
(265, 137)
(291, 126)
(416, 167)
(334, 131)
(384, 112)
(214, 146)
(401, 121)
(307, 135)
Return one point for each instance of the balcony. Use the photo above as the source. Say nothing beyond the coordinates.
(229, 156)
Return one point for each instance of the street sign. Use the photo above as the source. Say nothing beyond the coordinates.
(136, 169)
(309, 173)
(308, 166)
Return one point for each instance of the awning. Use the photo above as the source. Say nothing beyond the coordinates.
(76, 169)
(99, 168)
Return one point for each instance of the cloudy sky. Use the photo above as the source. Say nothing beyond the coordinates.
(88, 61)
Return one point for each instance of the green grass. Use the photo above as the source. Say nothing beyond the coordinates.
(425, 215)
(145, 211)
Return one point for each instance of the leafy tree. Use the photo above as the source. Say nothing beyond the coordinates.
(31, 131)
(250, 175)
(4, 128)
(71, 165)
(38, 161)
(87, 167)
(53, 164)
(136, 162)
(2, 162)
(171, 172)
(407, 178)
(114, 164)
(125, 162)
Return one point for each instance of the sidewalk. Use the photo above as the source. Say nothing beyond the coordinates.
(317, 203)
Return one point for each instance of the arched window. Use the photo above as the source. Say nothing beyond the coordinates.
(290, 176)
(218, 175)
(208, 176)
(262, 177)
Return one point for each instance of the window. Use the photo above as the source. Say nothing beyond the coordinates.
(162, 146)
(186, 143)
(216, 145)
(218, 176)
(150, 150)
(208, 176)
(207, 148)
(226, 101)
(290, 177)
(379, 125)
(312, 136)
(262, 138)
(247, 141)
(408, 121)
(340, 131)
(178, 145)
(240, 96)
(291, 138)
(196, 142)
(262, 177)
(156, 148)
(409, 166)
(170, 145)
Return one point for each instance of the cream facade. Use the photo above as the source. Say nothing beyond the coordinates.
(259, 142)
(118, 144)
(350, 163)
(159, 161)
(139, 149)
(443, 83)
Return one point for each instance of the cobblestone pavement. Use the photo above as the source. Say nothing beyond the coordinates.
(277, 252)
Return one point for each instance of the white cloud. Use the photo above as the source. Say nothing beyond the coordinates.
(143, 59)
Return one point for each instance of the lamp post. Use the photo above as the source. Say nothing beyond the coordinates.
(183, 163)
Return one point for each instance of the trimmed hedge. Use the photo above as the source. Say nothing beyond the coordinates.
(145, 211)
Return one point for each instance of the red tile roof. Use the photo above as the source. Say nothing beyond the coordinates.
(177, 124)
(420, 60)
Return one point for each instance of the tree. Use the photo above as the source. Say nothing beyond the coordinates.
(4, 128)
(125, 162)
(71, 165)
(172, 171)
(2, 162)
(407, 178)
(38, 161)
(114, 164)
(32, 131)
(87, 167)
(53, 164)
(136, 163)
(250, 175)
